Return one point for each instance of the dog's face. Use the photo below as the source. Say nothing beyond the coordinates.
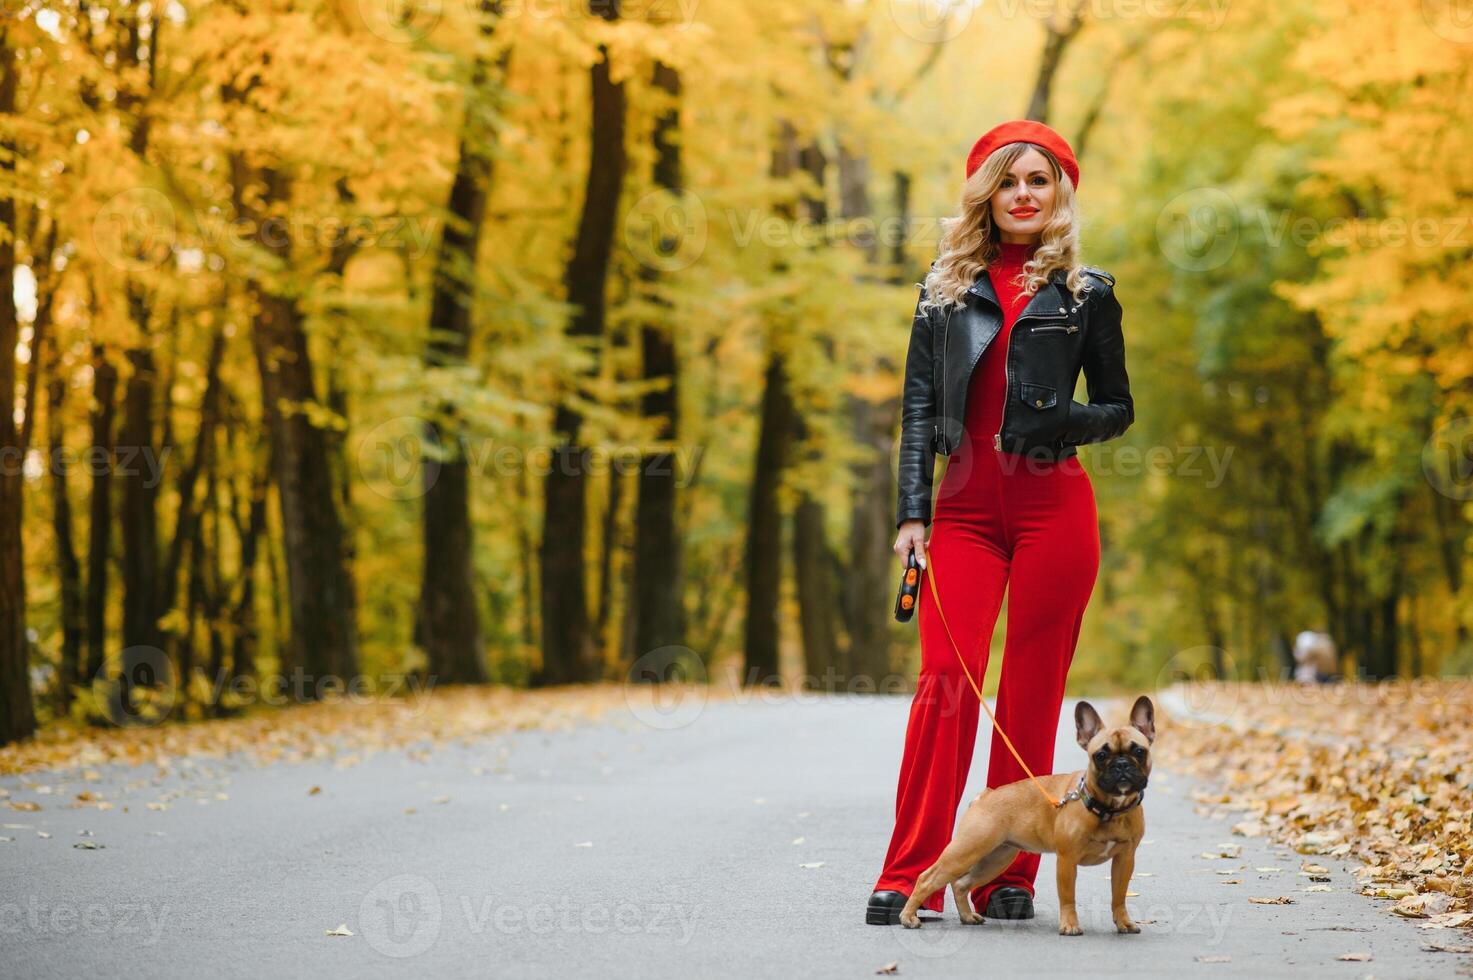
(1119, 758)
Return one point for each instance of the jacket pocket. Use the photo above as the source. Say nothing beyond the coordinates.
(1038, 396)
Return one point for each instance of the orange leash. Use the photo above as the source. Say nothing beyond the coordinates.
(936, 597)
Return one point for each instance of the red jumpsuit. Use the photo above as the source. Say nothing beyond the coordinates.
(1000, 522)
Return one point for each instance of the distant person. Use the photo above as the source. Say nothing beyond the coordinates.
(1315, 659)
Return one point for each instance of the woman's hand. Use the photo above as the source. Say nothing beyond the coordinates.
(912, 537)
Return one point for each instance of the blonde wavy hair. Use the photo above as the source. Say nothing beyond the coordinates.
(970, 242)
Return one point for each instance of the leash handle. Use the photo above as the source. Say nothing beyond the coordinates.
(930, 574)
(910, 590)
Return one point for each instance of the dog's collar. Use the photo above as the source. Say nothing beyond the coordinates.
(1094, 806)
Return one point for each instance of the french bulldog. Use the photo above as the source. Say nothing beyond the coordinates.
(1099, 818)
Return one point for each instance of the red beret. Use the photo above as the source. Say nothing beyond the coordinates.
(1024, 130)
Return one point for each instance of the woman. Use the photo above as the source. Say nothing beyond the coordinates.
(1005, 321)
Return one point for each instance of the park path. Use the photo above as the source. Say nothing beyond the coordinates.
(735, 838)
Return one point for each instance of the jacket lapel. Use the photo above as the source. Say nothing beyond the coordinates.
(1048, 299)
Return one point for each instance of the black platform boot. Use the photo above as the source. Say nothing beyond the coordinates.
(1009, 902)
(884, 908)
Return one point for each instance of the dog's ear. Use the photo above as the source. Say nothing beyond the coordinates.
(1143, 717)
(1087, 723)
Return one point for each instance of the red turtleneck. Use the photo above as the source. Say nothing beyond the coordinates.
(986, 389)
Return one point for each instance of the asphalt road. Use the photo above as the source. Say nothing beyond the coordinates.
(733, 840)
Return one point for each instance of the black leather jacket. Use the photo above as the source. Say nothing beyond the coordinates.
(1052, 339)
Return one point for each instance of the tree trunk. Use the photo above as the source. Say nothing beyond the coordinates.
(609, 534)
(448, 620)
(136, 456)
(813, 563)
(184, 524)
(568, 652)
(324, 639)
(764, 529)
(763, 556)
(1056, 41)
(659, 610)
(73, 616)
(100, 520)
(323, 642)
(818, 607)
(17, 713)
(866, 583)
(243, 616)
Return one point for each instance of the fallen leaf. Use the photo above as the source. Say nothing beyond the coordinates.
(1411, 907)
(1276, 900)
(1446, 948)
(27, 806)
(1430, 863)
(1447, 920)
(341, 930)
(1355, 957)
(890, 968)
(313, 792)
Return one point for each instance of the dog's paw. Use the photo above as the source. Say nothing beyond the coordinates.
(911, 922)
(970, 917)
(1126, 925)
(1070, 929)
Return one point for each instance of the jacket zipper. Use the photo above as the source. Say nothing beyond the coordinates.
(945, 338)
(1007, 388)
(1065, 326)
